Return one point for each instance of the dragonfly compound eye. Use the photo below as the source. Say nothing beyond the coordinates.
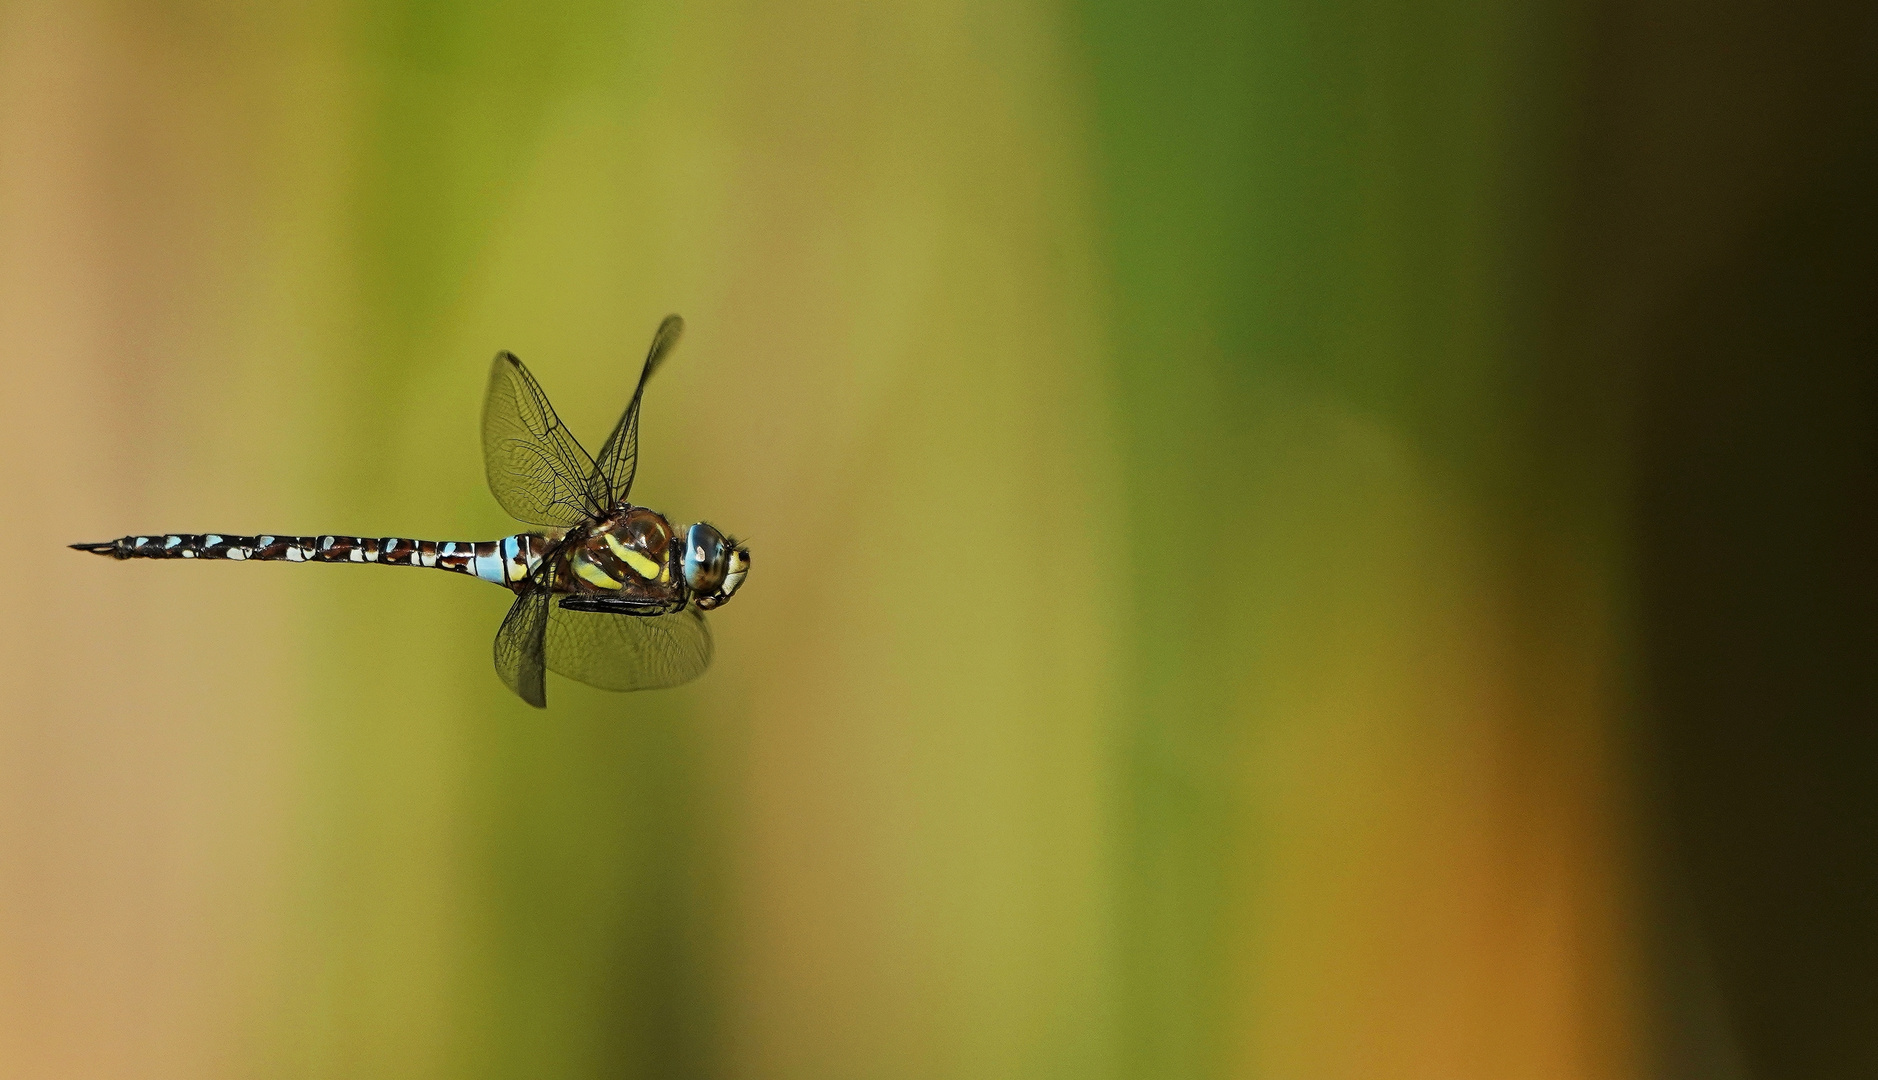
(707, 559)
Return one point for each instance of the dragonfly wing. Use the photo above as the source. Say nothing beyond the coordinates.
(537, 470)
(619, 458)
(628, 652)
(520, 647)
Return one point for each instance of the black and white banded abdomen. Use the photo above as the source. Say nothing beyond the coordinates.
(503, 562)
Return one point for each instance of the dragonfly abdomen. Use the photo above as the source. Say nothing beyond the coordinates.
(502, 562)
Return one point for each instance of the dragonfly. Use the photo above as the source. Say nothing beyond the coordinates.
(607, 594)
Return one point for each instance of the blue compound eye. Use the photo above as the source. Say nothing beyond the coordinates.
(707, 558)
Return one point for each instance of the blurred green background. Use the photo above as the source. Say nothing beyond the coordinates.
(1290, 539)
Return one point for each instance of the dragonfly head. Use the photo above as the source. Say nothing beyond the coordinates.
(715, 565)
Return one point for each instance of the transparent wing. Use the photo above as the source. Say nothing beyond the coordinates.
(628, 652)
(537, 469)
(619, 458)
(520, 647)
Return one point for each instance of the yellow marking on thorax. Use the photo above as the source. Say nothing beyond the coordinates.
(639, 563)
(593, 575)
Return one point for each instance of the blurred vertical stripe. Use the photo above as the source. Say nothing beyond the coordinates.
(1373, 824)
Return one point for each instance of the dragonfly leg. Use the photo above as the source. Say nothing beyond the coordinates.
(619, 605)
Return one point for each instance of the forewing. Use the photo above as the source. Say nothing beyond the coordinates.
(628, 652)
(520, 646)
(619, 458)
(537, 469)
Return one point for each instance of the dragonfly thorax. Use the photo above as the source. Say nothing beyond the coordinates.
(631, 554)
